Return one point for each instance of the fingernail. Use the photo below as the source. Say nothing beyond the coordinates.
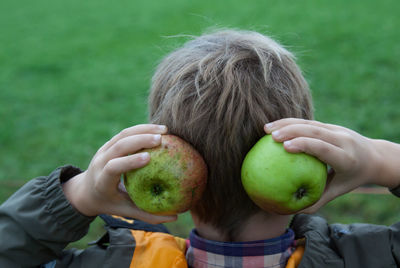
(269, 126)
(157, 137)
(162, 128)
(276, 134)
(144, 155)
(287, 143)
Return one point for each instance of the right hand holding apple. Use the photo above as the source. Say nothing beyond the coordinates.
(98, 189)
(355, 160)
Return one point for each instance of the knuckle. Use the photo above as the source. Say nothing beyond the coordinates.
(315, 132)
(97, 161)
(110, 167)
(149, 140)
(144, 128)
(347, 138)
(302, 143)
(125, 132)
(322, 150)
(140, 127)
(118, 146)
(133, 162)
(351, 161)
(311, 122)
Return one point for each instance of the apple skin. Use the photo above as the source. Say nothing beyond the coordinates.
(282, 182)
(172, 182)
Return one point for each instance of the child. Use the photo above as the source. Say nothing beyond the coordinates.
(216, 92)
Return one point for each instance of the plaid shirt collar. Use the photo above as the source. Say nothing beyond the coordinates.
(262, 253)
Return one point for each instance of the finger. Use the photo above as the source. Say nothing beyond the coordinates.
(117, 166)
(330, 154)
(135, 130)
(153, 219)
(272, 126)
(129, 209)
(311, 131)
(314, 208)
(130, 145)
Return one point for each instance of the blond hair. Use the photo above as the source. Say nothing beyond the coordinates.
(216, 92)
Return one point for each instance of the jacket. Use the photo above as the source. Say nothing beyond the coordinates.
(37, 223)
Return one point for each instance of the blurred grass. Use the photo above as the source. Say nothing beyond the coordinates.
(73, 74)
(366, 208)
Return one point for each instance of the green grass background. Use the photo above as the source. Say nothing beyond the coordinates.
(74, 73)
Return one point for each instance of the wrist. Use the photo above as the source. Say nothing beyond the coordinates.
(74, 191)
(388, 168)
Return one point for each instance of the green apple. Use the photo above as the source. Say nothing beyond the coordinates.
(282, 182)
(171, 182)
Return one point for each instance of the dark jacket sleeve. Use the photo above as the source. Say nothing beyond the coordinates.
(342, 245)
(37, 222)
(367, 245)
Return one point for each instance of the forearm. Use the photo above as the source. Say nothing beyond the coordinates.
(37, 223)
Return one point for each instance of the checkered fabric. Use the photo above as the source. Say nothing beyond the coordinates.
(262, 253)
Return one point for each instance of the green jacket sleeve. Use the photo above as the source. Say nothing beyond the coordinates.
(37, 222)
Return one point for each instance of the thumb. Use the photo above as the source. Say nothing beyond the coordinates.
(325, 198)
(129, 209)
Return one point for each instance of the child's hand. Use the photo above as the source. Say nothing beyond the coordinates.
(98, 189)
(354, 159)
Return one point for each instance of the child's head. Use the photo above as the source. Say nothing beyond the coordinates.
(216, 92)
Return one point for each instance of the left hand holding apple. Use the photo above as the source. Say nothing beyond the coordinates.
(355, 160)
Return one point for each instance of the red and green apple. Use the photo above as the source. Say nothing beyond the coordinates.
(172, 182)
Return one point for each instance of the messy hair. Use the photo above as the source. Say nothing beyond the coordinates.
(216, 92)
